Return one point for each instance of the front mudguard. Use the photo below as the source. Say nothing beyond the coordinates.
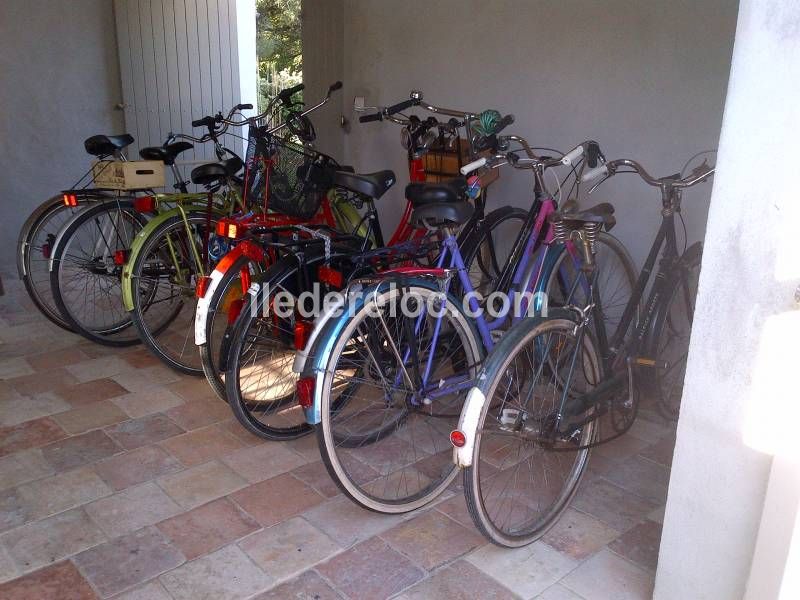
(147, 231)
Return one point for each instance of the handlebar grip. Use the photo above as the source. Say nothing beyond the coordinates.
(335, 86)
(286, 94)
(595, 173)
(370, 118)
(204, 122)
(400, 106)
(246, 106)
(473, 166)
(573, 155)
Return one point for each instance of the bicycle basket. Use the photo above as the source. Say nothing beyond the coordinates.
(297, 179)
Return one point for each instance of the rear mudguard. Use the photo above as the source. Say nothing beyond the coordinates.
(476, 398)
(244, 248)
(327, 333)
(84, 197)
(188, 208)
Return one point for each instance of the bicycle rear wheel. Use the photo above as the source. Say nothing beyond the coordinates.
(383, 439)
(223, 308)
(85, 276)
(164, 277)
(524, 473)
(35, 246)
(669, 337)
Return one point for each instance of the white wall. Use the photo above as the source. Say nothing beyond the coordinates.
(59, 82)
(740, 404)
(646, 79)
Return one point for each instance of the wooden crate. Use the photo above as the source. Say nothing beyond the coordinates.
(128, 175)
(442, 163)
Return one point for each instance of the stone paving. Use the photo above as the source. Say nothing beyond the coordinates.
(122, 479)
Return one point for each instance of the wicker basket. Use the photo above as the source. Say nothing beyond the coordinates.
(443, 163)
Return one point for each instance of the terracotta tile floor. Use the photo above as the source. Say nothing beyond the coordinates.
(121, 479)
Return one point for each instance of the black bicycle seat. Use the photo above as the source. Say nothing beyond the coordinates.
(420, 194)
(165, 154)
(211, 173)
(373, 185)
(103, 145)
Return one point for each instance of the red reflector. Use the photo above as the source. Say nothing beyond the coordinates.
(70, 200)
(234, 309)
(305, 391)
(330, 276)
(231, 229)
(202, 286)
(144, 204)
(120, 257)
(457, 438)
(302, 331)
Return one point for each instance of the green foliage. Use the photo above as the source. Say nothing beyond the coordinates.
(278, 46)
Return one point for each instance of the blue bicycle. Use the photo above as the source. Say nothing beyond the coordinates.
(387, 374)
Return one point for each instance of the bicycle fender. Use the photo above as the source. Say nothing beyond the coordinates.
(138, 241)
(476, 398)
(243, 248)
(301, 356)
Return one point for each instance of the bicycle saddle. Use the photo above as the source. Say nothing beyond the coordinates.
(602, 213)
(373, 185)
(211, 173)
(103, 145)
(165, 154)
(433, 193)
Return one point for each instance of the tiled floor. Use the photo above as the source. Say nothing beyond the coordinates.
(122, 479)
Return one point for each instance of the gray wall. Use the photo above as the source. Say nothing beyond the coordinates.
(646, 79)
(59, 82)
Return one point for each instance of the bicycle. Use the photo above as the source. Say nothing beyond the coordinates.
(259, 359)
(383, 389)
(233, 275)
(38, 234)
(557, 386)
(87, 277)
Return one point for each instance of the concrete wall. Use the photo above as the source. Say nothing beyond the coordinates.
(740, 398)
(59, 82)
(646, 79)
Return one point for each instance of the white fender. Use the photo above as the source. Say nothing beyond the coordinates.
(468, 425)
(201, 312)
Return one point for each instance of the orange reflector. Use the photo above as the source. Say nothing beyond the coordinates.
(302, 331)
(330, 276)
(120, 257)
(305, 391)
(231, 229)
(457, 438)
(144, 204)
(202, 286)
(70, 200)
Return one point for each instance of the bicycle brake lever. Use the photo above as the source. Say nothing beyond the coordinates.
(598, 184)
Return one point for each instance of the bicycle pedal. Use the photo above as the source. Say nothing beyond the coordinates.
(651, 363)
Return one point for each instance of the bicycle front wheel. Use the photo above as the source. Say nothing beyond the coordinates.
(163, 278)
(525, 469)
(384, 434)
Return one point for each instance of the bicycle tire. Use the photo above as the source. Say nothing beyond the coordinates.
(360, 477)
(119, 333)
(214, 352)
(28, 250)
(157, 334)
(497, 368)
(667, 387)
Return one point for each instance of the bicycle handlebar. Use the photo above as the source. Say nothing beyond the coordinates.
(609, 169)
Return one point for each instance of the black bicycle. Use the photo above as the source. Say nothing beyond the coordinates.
(555, 386)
